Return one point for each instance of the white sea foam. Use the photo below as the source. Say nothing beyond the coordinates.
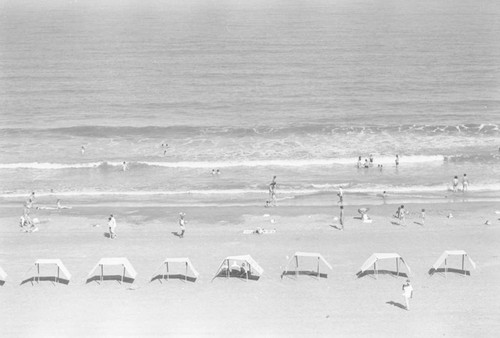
(319, 162)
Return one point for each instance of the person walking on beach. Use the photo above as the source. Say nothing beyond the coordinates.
(455, 183)
(341, 217)
(465, 183)
(182, 224)
(112, 226)
(341, 196)
(272, 191)
(422, 215)
(402, 215)
(407, 293)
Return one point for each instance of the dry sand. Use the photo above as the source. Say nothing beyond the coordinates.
(340, 305)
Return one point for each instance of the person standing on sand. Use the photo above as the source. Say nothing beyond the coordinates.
(455, 183)
(402, 215)
(465, 183)
(341, 217)
(407, 293)
(112, 227)
(182, 224)
(341, 196)
(422, 215)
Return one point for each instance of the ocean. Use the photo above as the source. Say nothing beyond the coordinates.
(296, 89)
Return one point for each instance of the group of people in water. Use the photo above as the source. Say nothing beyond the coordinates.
(369, 162)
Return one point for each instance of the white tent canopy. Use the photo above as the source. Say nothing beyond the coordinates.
(312, 255)
(373, 259)
(167, 263)
(121, 261)
(237, 260)
(444, 259)
(56, 262)
(3, 275)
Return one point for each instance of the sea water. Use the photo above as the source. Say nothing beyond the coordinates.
(255, 89)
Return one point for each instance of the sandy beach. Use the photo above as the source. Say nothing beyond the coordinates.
(340, 305)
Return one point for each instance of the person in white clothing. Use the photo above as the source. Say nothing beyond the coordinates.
(182, 224)
(112, 227)
(407, 293)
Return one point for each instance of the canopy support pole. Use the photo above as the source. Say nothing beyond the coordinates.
(463, 264)
(227, 270)
(102, 272)
(186, 275)
(318, 268)
(375, 269)
(445, 268)
(397, 266)
(296, 266)
(123, 275)
(57, 274)
(38, 273)
(167, 271)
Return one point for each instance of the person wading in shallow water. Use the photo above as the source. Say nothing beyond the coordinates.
(272, 192)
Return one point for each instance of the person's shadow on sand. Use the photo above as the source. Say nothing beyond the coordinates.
(397, 224)
(399, 305)
(336, 226)
(175, 233)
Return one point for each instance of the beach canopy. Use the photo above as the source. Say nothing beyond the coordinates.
(236, 262)
(167, 264)
(444, 259)
(57, 274)
(311, 255)
(3, 275)
(373, 259)
(57, 262)
(120, 261)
